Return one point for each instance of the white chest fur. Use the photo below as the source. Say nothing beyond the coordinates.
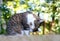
(30, 19)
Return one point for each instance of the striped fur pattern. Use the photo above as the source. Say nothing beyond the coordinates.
(18, 22)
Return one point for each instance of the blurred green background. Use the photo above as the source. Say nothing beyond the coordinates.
(49, 8)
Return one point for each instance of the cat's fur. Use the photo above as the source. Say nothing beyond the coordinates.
(18, 23)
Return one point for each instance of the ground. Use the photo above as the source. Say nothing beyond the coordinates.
(30, 38)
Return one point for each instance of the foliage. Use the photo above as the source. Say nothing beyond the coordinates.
(51, 8)
(6, 14)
